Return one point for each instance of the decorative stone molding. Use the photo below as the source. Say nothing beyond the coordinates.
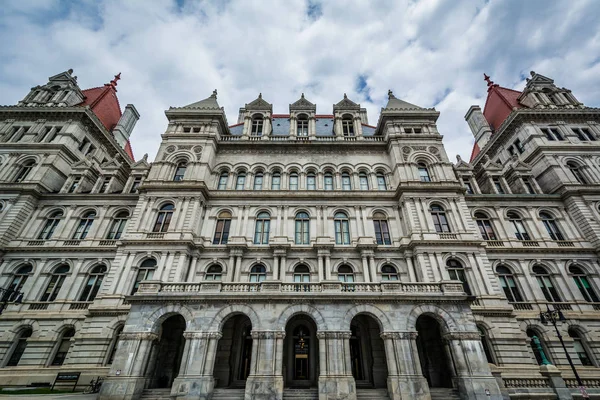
(461, 336)
(202, 335)
(138, 336)
(334, 334)
(399, 335)
(267, 334)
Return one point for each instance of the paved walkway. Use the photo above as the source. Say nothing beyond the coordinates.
(69, 396)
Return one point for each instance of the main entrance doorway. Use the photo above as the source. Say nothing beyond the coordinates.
(167, 352)
(433, 353)
(367, 353)
(234, 352)
(300, 353)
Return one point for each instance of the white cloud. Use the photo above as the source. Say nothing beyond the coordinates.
(430, 52)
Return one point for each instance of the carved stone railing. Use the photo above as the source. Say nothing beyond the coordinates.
(448, 236)
(108, 242)
(71, 242)
(526, 382)
(80, 305)
(522, 306)
(588, 383)
(530, 243)
(565, 243)
(155, 235)
(495, 243)
(36, 242)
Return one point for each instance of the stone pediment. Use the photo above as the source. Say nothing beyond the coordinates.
(303, 104)
(462, 164)
(64, 77)
(141, 164)
(111, 165)
(539, 79)
(259, 104)
(346, 104)
(519, 165)
(210, 103)
(82, 164)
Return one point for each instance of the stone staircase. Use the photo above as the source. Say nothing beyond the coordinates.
(372, 394)
(156, 394)
(228, 394)
(444, 394)
(300, 394)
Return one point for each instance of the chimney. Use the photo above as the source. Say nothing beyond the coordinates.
(479, 126)
(125, 125)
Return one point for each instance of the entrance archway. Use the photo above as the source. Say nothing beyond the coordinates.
(167, 352)
(367, 353)
(301, 353)
(234, 353)
(433, 354)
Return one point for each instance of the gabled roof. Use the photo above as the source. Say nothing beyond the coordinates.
(259, 104)
(303, 104)
(346, 104)
(397, 104)
(208, 103)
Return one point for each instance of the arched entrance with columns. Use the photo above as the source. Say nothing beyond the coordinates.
(367, 353)
(234, 352)
(434, 355)
(166, 353)
(301, 353)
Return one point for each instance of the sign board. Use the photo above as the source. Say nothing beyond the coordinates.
(67, 377)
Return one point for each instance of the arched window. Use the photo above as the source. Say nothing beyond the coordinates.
(363, 179)
(114, 344)
(63, 347)
(163, 219)
(440, 222)
(257, 126)
(180, 171)
(456, 271)
(302, 122)
(261, 229)
(518, 227)
(311, 181)
(276, 180)
(347, 125)
(301, 274)
(20, 347)
(118, 225)
(145, 273)
(16, 284)
(56, 281)
(342, 228)
(423, 172)
(485, 226)
(551, 226)
(258, 273)
(24, 171)
(546, 283)
(485, 342)
(294, 181)
(213, 273)
(580, 348)
(382, 230)
(93, 284)
(345, 274)
(223, 180)
(381, 184)
(346, 181)
(50, 225)
(536, 337)
(509, 284)
(389, 273)
(302, 222)
(258, 181)
(577, 172)
(582, 282)
(222, 229)
(85, 223)
(240, 181)
(328, 180)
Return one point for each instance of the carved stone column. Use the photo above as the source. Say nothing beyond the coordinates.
(473, 374)
(265, 381)
(195, 380)
(335, 373)
(126, 379)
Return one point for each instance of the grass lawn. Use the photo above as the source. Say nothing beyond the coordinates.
(33, 391)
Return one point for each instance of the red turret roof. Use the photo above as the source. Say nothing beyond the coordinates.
(104, 103)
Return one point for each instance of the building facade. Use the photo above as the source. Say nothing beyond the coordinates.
(301, 255)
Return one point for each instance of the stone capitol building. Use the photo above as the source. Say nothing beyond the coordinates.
(301, 255)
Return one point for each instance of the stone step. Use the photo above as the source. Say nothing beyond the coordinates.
(300, 394)
(156, 394)
(372, 394)
(228, 394)
(444, 394)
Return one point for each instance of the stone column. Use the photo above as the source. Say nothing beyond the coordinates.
(405, 379)
(126, 380)
(335, 376)
(265, 381)
(195, 380)
(473, 375)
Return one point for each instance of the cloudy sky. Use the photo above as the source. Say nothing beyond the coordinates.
(173, 52)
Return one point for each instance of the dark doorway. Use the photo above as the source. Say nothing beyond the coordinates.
(301, 353)
(167, 352)
(367, 353)
(433, 353)
(234, 353)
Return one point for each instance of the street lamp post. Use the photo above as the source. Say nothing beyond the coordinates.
(554, 316)
(7, 295)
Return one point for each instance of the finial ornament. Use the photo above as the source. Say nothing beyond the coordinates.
(532, 73)
(487, 79)
(214, 93)
(345, 96)
(145, 158)
(390, 94)
(302, 95)
(260, 95)
(113, 83)
(458, 158)
(70, 71)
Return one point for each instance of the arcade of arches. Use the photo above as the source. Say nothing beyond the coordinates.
(236, 353)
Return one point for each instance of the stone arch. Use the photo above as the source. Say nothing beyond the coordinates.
(17, 327)
(296, 309)
(235, 309)
(155, 320)
(439, 314)
(368, 309)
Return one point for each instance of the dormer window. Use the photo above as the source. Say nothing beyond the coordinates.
(552, 134)
(584, 134)
(302, 128)
(347, 125)
(412, 130)
(257, 126)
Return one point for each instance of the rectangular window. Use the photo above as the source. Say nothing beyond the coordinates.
(74, 185)
(346, 184)
(104, 186)
(498, 186)
(328, 182)
(511, 150)
(276, 182)
(293, 182)
(223, 182)
(381, 182)
(311, 182)
(135, 185)
(467, 184)
(519, 146)
(528, 186)
(552, 134)
(83, 143)
(241, 181)
(584, 134)
(364, 182)
(258, 182)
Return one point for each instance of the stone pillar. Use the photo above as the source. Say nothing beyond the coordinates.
(335, 376)
(473, 375)
(556, 381)
(195, 380)
(126, 379)
(265, 381)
